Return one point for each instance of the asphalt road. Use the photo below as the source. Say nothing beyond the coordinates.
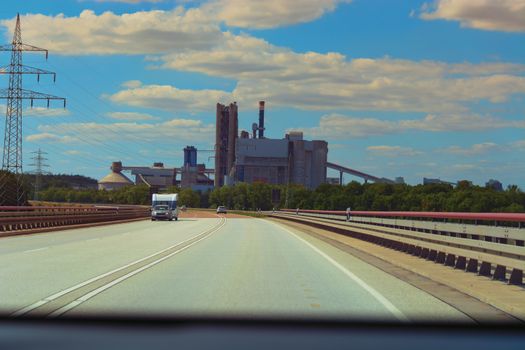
(201, 266)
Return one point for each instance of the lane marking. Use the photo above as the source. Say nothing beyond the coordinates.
(96, 278)
(35, 250)
(378, 296)
(100, 289)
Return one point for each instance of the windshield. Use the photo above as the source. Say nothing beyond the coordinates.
(304, 159)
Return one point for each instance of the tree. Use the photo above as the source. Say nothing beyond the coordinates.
(189, 198)
(8, 189)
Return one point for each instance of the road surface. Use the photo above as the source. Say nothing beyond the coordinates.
(239, 267)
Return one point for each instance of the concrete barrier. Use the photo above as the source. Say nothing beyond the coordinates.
(489, 250)
(45, 218)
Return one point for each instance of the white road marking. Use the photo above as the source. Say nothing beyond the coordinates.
(35, 250)
(378, 296)
(80, 285)
(100, 289)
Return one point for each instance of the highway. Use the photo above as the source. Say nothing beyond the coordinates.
(215, 266)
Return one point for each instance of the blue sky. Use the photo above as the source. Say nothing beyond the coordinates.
(398, 88)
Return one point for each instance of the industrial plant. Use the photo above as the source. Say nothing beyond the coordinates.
(242, 157)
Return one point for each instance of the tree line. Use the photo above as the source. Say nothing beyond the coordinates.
(242, 196)
(465, 197)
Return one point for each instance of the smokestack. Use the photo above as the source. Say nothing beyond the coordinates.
(261, 119)
(116, 167)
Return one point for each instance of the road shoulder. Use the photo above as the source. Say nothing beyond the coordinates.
(481, 299)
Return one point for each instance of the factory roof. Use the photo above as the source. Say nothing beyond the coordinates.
(115, 178)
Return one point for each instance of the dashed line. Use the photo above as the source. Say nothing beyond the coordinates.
(92, 293)
(35, 250)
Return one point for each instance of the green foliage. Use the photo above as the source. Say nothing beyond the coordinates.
(242, 196)
(8, 188)
(126, 195)
(389, 197)
(189, 198)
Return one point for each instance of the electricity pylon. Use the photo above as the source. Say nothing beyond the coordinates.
(39, 164)
(15, 94)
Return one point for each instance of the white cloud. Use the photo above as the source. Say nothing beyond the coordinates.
(269, 13)
(464, 167)
(476, 149)
(49, 137)
(192, 40)
(500, 15)
(175, 129)
(46, 112)
(142, 32)
(40, 111)
(331, 81)
(392, 151)
(337, 126)
(131, 116)
(129, 1)
(131, 84)
(73, 152)
(170, 98)
(520, 145)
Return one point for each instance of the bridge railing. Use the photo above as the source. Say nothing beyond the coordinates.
(491, 244)
(41, 217)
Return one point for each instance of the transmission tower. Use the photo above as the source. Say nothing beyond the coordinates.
(39, 164)
(15, 94)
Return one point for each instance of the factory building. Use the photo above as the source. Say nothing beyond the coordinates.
(159, 178)
(281, 161)
(156, 177)
(494, 184)
(259, 159)
(226, 133)
(115, 179)
(193, 175)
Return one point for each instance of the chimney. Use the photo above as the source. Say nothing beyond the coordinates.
(261, 119)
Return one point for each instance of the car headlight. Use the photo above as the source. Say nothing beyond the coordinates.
(154, 213)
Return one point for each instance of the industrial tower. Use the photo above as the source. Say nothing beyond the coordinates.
(39, 164)
(12, 157)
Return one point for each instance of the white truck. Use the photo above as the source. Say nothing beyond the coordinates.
(164, 206)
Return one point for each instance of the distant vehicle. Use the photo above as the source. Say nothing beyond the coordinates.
(164, 206)
(183, 208)
(221, 209)
(161, 212)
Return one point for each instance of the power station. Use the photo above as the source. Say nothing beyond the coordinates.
(241, 157)
(260, 159)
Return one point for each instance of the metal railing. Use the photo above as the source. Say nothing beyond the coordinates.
(487, 243)
(31, 218)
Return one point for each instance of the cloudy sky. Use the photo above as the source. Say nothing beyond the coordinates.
(417, 89)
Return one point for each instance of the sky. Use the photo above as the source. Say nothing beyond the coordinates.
(397, 88)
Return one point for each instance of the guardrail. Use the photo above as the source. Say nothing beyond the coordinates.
(491, 250)
(13, 219)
